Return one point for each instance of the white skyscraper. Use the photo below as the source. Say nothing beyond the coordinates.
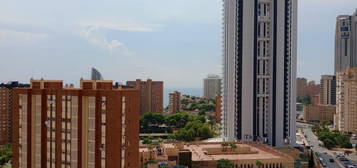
(346, 42)
(259, 83)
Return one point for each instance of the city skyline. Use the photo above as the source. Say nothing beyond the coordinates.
(34, 32)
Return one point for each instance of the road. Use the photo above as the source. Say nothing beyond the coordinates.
(322, 152)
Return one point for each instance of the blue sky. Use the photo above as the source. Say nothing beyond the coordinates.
(177, 41)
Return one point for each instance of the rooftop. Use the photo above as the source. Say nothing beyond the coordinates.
(213, 151)
(199, 152)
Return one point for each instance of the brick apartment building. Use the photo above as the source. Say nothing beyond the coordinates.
(218, 110)
(319, 113)
(175, 102)
(6, 95)
(151, 95)
(346, 110)
(96, 125)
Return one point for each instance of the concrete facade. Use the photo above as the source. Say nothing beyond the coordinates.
(95, 126)
(346, 42)
(346, 113)
(319, 112)
(212, 86)
(328, 90)
(151, 95)
(259, 67)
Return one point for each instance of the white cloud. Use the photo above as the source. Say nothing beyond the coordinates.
(12, 37)
(128, 26)
(95, 37)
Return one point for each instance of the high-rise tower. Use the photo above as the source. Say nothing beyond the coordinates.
(346, 42)
(212, 86)
(259, 84)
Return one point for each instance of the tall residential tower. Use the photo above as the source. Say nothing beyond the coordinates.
(346, 42)
(259, 84)
(212, 86)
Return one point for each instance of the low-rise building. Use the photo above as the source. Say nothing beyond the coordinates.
(318, 113)
(198, 155)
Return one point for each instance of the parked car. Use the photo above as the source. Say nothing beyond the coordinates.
(350, 166)
(323, 164)
(332, 160)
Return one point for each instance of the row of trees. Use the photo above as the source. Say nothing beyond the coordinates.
(331, 139)
(159, 123)
(196, 106)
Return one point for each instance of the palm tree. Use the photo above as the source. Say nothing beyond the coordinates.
(224, 163)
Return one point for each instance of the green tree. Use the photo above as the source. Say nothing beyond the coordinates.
(329, 143)
(304, 100)
(224, 163)
(147, 141)
(212, 123)
(207, 107)
(233, 146)
(178, 120)
(201, 118)
(163, 166)
(202, 113)
(224, 146)
(258, 163)
(5, 154)
(193, 129)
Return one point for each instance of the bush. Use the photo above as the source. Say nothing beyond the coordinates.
(224, 163)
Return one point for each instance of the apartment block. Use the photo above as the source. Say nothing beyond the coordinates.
(328, 90)
(175, 102)
(319, 113)
(6, 100)
(259, 70)
(95, 125)
(212, 86)
(306, 88)
(301, 88)
(346, 113)
(151, 95)
(346, 42)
